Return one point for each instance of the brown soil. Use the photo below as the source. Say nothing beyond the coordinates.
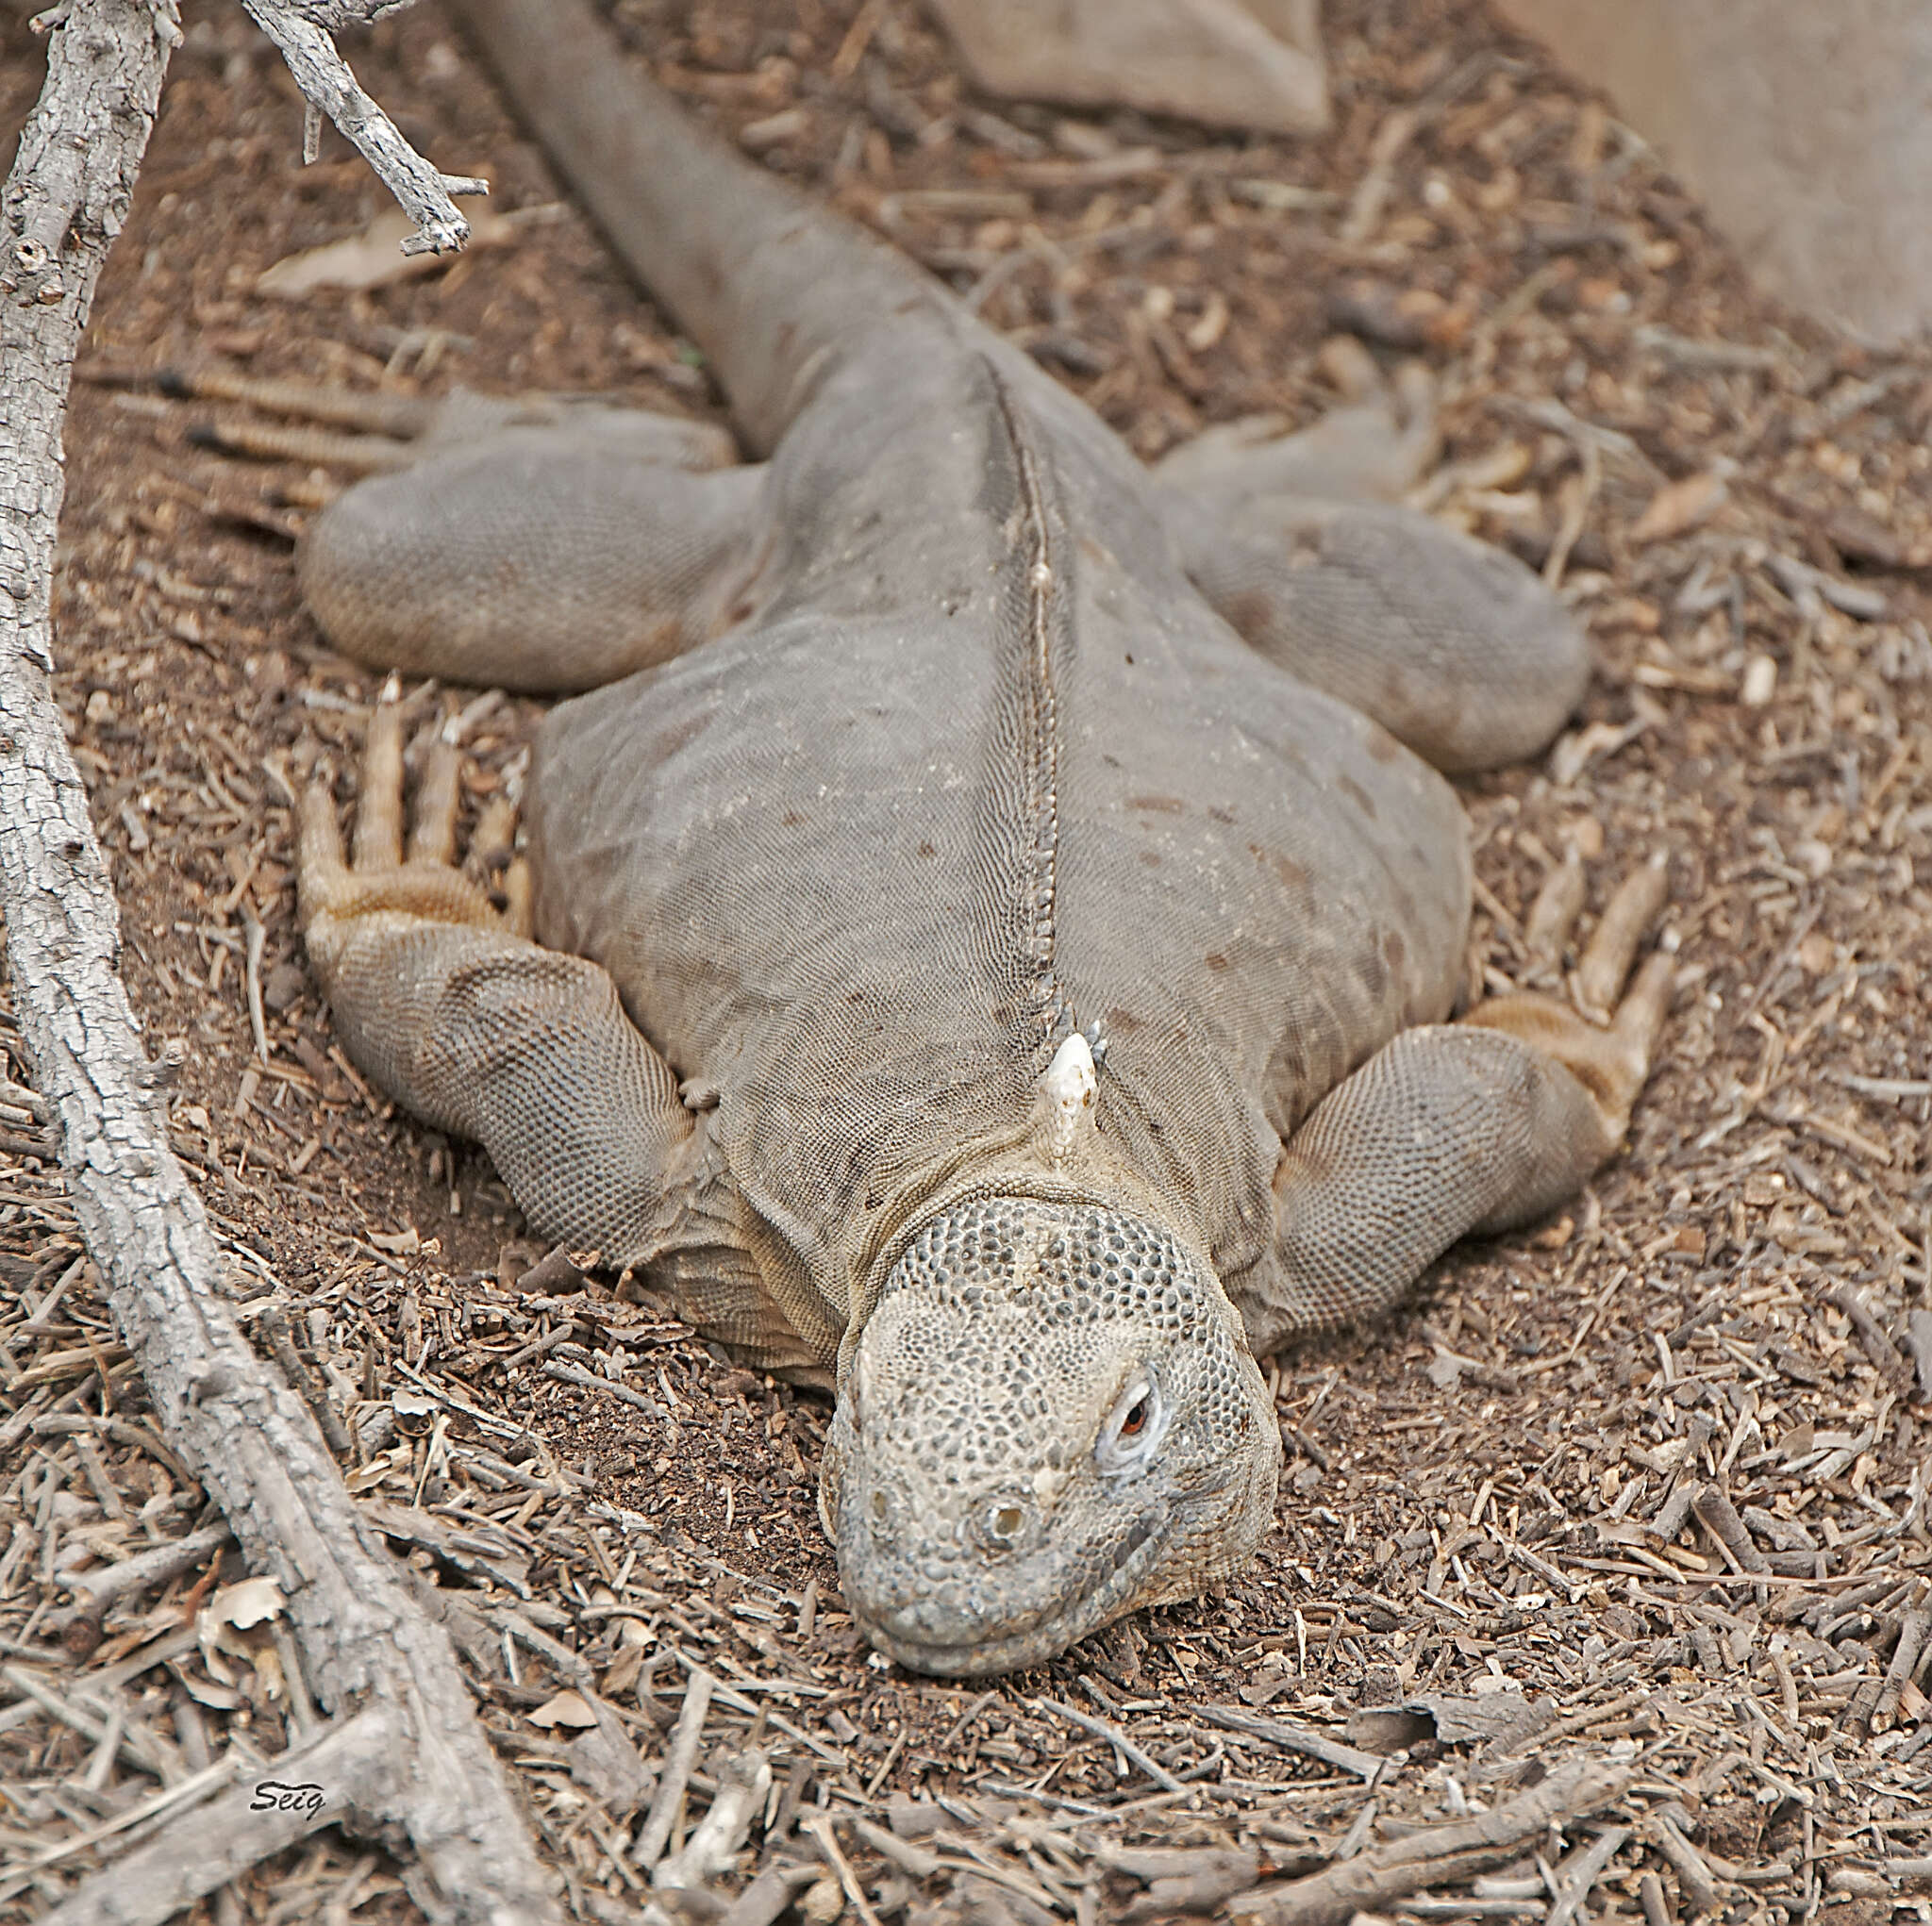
(1487, 1495)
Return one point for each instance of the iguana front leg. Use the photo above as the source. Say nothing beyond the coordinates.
(1454, 1128)
(457, 1015)
(1302, 544)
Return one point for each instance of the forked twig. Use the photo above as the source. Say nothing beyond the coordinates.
(421, 192)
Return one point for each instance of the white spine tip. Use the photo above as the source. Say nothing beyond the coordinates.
(1068, 1086)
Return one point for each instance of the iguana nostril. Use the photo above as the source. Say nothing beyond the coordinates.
(1004, 1520)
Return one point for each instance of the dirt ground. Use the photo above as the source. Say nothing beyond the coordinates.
(1647, 1482)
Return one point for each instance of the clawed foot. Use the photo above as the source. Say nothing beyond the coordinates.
(1375, 445)
(1606, 1036)
(539, 543)
(383, 878)
(380, 433)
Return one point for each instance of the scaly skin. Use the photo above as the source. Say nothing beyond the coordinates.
(1051, 1419)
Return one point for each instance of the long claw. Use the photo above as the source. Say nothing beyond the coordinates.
(1620, 929)
(1554, 914)
(438, 792)
(380, 808)
(518, 915)
(1417, 398)
(1351, 368)
(398, 415)
(320, 871)
(496, 834)
(318, 447)
(1640, 1017)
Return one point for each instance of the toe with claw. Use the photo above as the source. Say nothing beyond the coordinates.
(1606, 1035)
(384, 875)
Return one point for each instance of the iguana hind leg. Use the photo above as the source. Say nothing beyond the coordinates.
(533, 565)
(458, 1015)
(1453, 1128)
(535, 543)
(1302, 544)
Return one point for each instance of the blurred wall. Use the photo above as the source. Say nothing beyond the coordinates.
(1229, 63)
(1804, 125)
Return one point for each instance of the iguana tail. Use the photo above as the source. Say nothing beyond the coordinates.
(768, 284)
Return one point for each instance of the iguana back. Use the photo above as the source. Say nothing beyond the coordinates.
(966, 779)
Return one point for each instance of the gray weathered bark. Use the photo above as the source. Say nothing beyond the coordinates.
(1437, 1856)
(362, 1640)
(298, 29)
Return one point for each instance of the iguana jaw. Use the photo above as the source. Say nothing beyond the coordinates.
(961, 1649)
(1049, 1421)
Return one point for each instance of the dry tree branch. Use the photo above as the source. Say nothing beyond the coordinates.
(1375, 1879)
(300, 29)
(365, 1644)
(217, 1840)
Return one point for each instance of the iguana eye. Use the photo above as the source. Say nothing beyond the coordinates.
(1133, 1426)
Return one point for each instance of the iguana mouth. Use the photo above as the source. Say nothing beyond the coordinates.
(1032, 1637)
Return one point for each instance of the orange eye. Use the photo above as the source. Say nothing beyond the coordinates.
(1133, 1426)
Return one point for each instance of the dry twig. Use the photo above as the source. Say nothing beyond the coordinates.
(252, 1443)
(328, 87)
(1380, 1874)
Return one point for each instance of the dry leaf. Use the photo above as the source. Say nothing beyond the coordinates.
(566, 1708)
(623, 1672)
(233, 1624)
(1679, 507)
(372, 259)
(206, 1692)
(248, 1602)
(414, 1411)
(367, 1477)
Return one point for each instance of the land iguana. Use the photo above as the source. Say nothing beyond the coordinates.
(987, 932)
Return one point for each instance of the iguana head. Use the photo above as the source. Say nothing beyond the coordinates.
(1050, 1419)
